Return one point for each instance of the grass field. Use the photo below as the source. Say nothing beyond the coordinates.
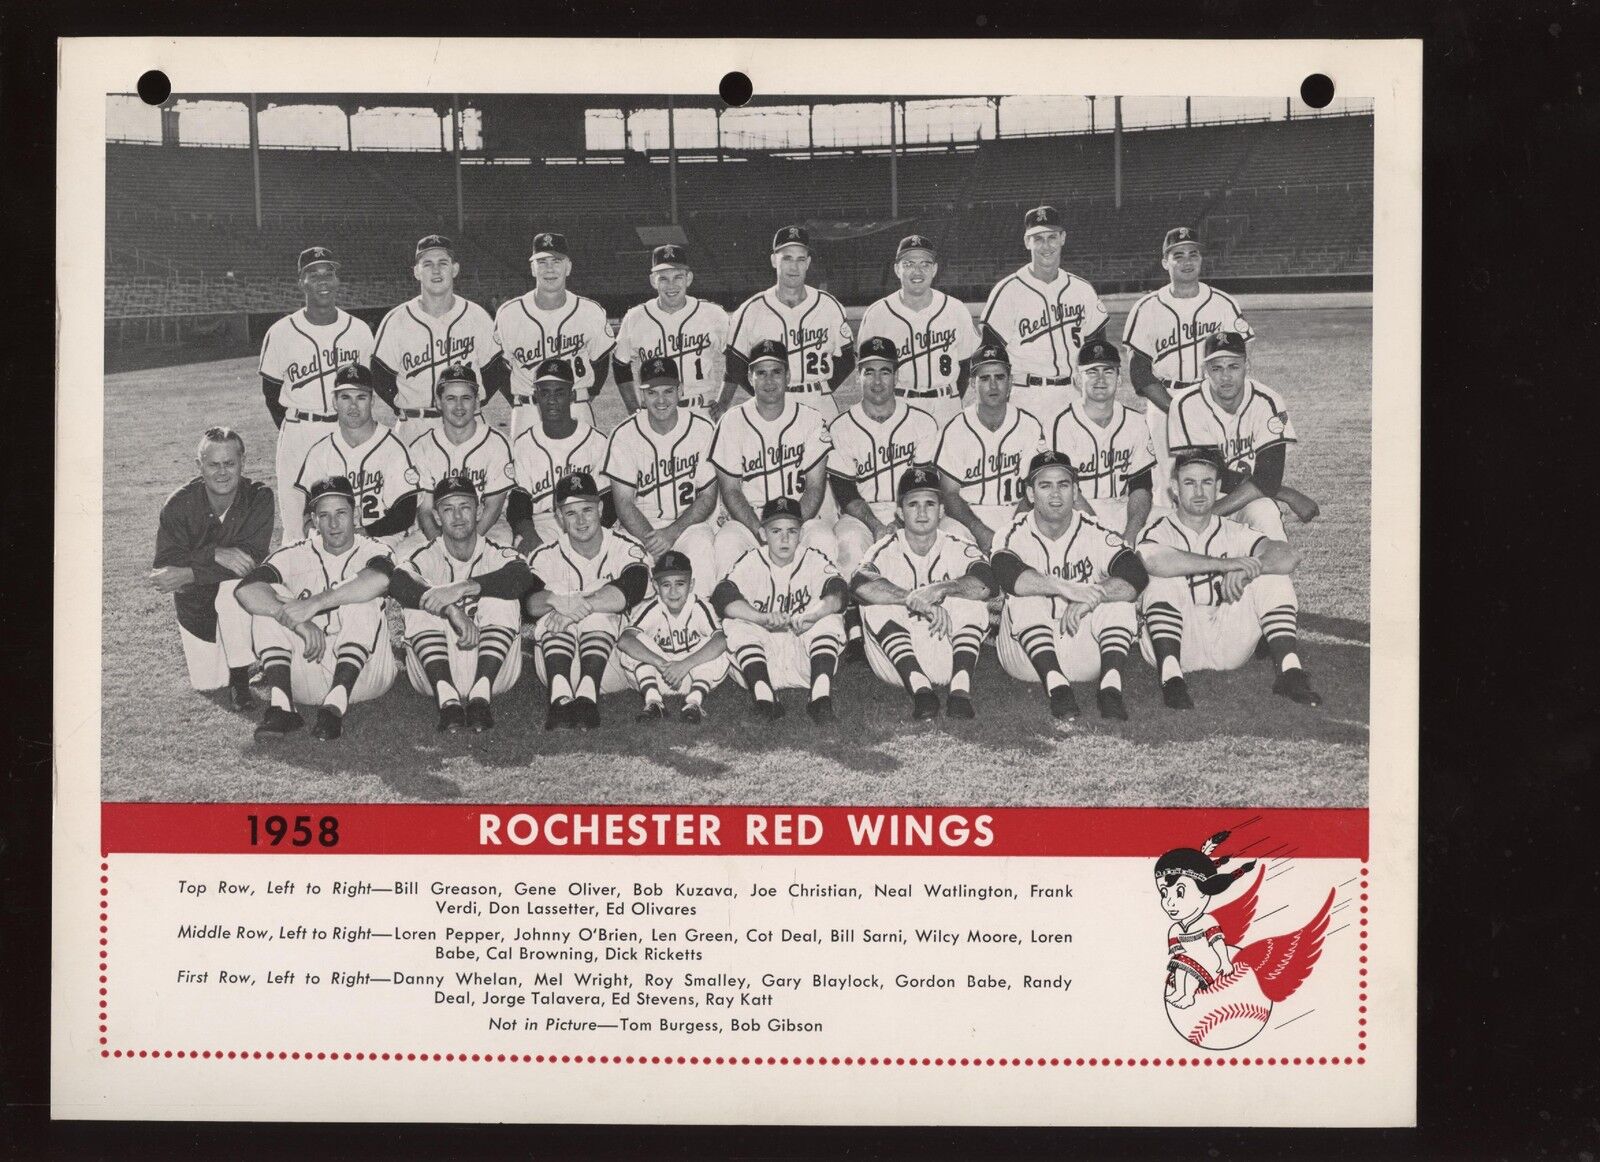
(1240, 747)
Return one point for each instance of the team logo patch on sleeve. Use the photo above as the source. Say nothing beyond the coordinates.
(1115, 540)
(1241, 326)
(1275, 424)
(412, 476)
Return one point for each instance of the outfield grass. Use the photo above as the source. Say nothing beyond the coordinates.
(1240, 747)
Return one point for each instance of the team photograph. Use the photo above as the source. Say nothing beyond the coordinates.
(639, 450)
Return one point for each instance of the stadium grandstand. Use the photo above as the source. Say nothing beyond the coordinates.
(201, 238)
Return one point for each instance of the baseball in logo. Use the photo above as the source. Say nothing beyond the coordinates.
(1219, 989)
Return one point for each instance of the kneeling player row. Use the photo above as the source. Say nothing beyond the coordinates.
(1066, 585)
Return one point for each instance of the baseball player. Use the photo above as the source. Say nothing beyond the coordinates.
(461, 443)
(1107, 442)
(300, 355)
(677, 326)
(1044, 315)
(1248, 424)
(674, 643)
(550, 322)
(780, 605)
(1217, 587)
(420, 339)
(934, 333)
(317, 616)
(586, 580)
(462, 595)
(369, 455)
(559, 443)
(767, 447)
(982, 452)
(923, 593)
(808, 324)
(1070, 583)
(213, 531)
(662, 483)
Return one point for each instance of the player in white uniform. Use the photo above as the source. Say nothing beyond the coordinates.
(808, 324)
(551, 322)
(1247, 424)
(367, 453)
(1108, 444)
(462, 442)
(1216, 588)
(462, 596)
(673, 643)
(300, 355)
(1070, 583)
(983, 451)
(317, 617)
(418, 340)
(780, 605)
(662, 483)
(558, 444)
(768, 447)
(585, 582)
(1043, 315)
(677, 326)
(933, 332)
(924, 595)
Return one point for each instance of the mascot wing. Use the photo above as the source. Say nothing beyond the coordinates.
(1282, 963)
(1234, 917)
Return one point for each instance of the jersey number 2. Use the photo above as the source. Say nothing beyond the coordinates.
(369, 508)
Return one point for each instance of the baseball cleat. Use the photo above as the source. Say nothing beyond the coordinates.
(452, 719)
(556, 715)
(1063, 703)
(329, 724)
(1175, 693)
(277, 722)
(1293, 685)
(692, 714)
(924, 704)
(1111, 704)
(240, 699)
(769, 711)
(584, 715)
(479, 717)
(652, 712)
(959, 705)
(821, 710)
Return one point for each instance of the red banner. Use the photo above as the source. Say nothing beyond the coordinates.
(545, 829)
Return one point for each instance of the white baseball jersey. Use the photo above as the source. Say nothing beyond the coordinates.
(693, 337)
(1220, 538)
(302, 568)
(304, 357)
(790, 588)
(989, 465)
(563, 569)
(665, 471)
(1043, 323)
(539, 462)
(770, 457)
(1172, 332)
(433, 564)
(417, 347)
(485, 457)
(814, 331)
(932, 342)
(876, 453)
(1104, 457)
(893, 559)
(380, 469)
(1083, 553)
(1196, 420)
(576, 330)
(675, 635)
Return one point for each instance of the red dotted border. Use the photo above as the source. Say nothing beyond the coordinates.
(581, 1059)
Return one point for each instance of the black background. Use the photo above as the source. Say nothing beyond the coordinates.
(1506, 1038)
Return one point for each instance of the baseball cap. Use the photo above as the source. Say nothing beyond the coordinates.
(1099, 353)
(547, 245)
(667, 257)
(878, 347)
(1223, 343)
(312, 255)
(457, 373)
(769, 351)
(991, 353)
(352, 377)
(454, 484)
(917, 478)
(915, 242)
(330, 486)
(1041, 218)
(672, 562)
(781, 506)
(1201, 454)
(435, 242)
(1049, 458)
(1179, 236)
(659, 370)
(576, 486)
(791, 236)
(555, 370)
